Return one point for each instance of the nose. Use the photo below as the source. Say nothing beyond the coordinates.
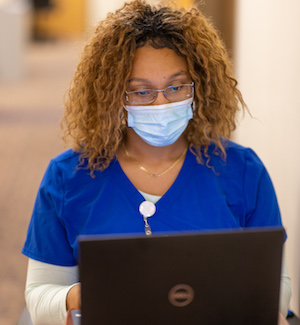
(160, 99)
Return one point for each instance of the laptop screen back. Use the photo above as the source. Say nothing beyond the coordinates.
(209, 278)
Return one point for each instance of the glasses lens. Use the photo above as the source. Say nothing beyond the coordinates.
(175, 93)
(142, 96)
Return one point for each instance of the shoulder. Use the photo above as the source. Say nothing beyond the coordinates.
(67, 157)
(236, 151)
(68, 167)
(239, 160)
(66, 161)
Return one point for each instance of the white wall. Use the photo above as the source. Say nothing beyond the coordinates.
(268, 70)
(98, 9)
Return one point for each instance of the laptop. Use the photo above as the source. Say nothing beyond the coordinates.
(212, 278)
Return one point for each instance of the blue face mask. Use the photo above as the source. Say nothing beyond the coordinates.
(160, 125)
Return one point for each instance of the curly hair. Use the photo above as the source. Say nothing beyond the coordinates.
(94, 118)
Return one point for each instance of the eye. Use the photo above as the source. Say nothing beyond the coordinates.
(174, 89)
(141, 96)
(142, 92)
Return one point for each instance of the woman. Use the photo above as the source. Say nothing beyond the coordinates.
(148, 114)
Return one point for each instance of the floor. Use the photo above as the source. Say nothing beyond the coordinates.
(30, 111)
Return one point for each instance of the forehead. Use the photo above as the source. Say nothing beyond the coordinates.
(157, 64)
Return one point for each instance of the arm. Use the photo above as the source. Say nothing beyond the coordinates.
(285, 287)
(46, 292)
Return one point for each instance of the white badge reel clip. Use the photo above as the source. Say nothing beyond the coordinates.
(147, 210)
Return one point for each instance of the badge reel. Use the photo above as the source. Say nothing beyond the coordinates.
(147, 210)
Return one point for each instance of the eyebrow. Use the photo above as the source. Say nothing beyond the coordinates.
(177, 74)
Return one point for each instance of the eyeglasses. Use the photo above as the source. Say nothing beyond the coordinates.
(172, 93)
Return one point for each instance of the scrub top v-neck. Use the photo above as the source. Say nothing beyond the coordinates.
(170, 198)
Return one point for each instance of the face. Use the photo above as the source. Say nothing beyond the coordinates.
(157, 69)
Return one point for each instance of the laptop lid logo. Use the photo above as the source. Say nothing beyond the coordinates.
(181, 295)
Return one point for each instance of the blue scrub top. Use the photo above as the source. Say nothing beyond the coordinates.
(235, 194)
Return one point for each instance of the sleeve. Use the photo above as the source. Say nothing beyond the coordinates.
(285, 287)
(47, 239)
(46, 291)
(262, 208)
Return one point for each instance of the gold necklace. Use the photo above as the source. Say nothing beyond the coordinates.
(146, 170)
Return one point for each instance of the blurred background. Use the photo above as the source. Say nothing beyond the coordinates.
(40, 45)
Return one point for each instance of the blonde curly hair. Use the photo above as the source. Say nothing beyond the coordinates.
(94, 118)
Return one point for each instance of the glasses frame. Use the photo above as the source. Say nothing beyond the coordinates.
(156, 91)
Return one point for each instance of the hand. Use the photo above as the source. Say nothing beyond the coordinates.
(74, 297)
(282, 320)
